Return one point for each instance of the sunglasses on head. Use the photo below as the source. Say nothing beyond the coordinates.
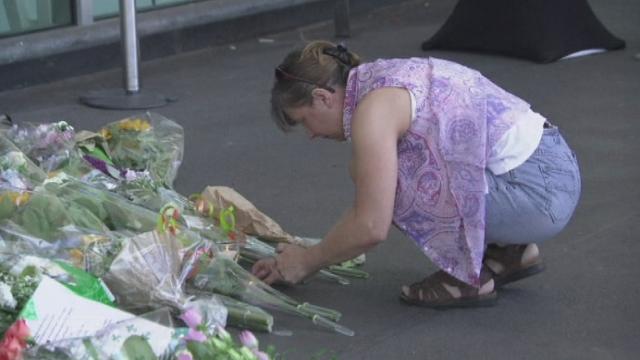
(283, 75)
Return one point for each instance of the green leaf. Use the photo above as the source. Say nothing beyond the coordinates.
(92, 205)
(7, 207)
(91, 349)
(137, 348)
(200, 351)
(35, 223)
(85, 218)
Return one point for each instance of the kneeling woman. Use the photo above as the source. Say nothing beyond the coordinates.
(462, 167)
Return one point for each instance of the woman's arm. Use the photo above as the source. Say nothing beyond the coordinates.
(379, 121)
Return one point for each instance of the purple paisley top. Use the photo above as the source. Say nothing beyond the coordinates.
(440, 195)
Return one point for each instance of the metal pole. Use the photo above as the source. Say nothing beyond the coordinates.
(341, 19)
(131, 97)
(84, 12)
(130, 48)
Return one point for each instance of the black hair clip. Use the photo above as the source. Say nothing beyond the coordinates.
(340, 53)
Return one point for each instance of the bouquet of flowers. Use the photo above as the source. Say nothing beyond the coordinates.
(16, 170)
(48, 145)
(111, 209)
(43, 215)
(146, 142)
(146, 273)
(78, 247)
(221, 275)
(203, 343)
(96, 213)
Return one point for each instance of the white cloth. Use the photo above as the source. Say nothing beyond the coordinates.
(413, 105)
(517, 144)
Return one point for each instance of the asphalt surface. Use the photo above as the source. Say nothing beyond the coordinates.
(585, 306)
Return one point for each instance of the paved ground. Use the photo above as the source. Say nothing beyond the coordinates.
(584, 307)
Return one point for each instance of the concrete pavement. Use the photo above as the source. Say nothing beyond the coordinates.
(585, 306)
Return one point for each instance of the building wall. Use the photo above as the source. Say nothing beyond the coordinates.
(24, 16)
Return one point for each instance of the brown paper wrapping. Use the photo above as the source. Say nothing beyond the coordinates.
(249, 219)
(252, 221)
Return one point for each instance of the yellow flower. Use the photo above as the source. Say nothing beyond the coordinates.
(22, 198)
(134, 125)
(93, 238)
(16, 198)
(53, 174)
(77, 257)
(105, 133)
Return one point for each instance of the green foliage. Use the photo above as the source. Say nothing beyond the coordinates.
(137, 348)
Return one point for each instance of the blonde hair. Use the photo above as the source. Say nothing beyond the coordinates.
(319, 64)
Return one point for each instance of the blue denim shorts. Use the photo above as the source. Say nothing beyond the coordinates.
(534, 201)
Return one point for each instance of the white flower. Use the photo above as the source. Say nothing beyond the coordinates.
(16, 158)
(14, 179)
(64, 126)
(42, 266)
(130, 175)
(6, 297)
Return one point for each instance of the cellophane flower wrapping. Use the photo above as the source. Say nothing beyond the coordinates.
(149, 272)
(111, 209)
(147, 142)
(44, 215)
(17, 171)
(221, 275)
(146, 272)
(246, 316)
(48, 145)
(90, 250)
(94, 205)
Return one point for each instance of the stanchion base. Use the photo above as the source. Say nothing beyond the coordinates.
(120, 99)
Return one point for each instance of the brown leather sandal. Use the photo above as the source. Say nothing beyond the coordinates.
(508, 264)
(432, 292)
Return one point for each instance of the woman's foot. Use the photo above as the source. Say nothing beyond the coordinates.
(512, 262)
(441, 290)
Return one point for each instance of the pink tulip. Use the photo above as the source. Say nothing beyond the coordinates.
(192, 318)
(261, 355)
(248, 339)
(195, 335)
(185, 355)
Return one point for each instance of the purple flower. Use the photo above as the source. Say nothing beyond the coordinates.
(185, 355)
(195, 335)
(98, 164)
(248, 339)
(261, 355)
(191, 317)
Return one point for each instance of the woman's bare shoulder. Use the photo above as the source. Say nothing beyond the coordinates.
(388, 108)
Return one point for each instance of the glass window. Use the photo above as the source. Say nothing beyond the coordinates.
(109, 8)
(22, 16)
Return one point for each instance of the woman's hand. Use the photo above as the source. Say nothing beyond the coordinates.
(292, 265)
